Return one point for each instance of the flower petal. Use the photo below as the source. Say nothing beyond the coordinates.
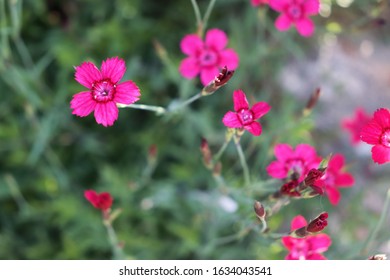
(92, 197)
(279, 5)
(254, 128)
(87, 74)
(191, 44)
(382, 117)
(231, 120)
(113, 69)
(127, 93)
(277, 170)
(307, 152)
(189, 67)
(333, 194)
(380, 154)
(240, 101)
(311, 7)
(371, 133)
(288, 242)
(106, 113)
(336, 162)
(82, 104)
(283, 152)
(228, 58)
(320, 242)
(216, 39)
(315, 256)
(260, 109)
(305, 27)
(344, 180)
(298, 222)
(207, 74)
(283, 22)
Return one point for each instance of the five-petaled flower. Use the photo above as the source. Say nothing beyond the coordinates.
(101, 201)
(355, 124)
(306, 248)
(259, 2)
(296, 12)
(245, 117)
(289, 162)
(377, 133)
(334, 178)
(208, 57)
(103, 92)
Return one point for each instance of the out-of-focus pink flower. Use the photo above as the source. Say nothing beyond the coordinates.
(355, 124)
(296, 12)
(245, 117)
(289, 161)
(306, 248)
(101, 201)
(334, 178)
(259, 2)
(208, 57)
(377, 133)
(104, 92)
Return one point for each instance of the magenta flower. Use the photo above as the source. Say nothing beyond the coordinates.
(259, 2)
(289, 161)
(208, 57)
(245, 117)
(104, 92)
(101, 201)
(306, 248)
(334, 178)
(355, 124)
(377, 133)
(295, 12)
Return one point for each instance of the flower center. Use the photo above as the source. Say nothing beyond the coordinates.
(245, 116)
(385, 138)
(300, 251)
(208, 58)
(103, 91)
(295, 11)
(296, 165)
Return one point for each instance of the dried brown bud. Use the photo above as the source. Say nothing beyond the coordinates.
(218, 81)
(259, 210)
(206, 153)
(312, 102)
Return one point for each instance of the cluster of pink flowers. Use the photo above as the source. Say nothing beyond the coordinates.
(295, 165)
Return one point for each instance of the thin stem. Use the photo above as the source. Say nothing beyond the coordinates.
(185, 103)
(15, 192)
(117, 251)
(158, 109)
(197, 13)
(208, 12)
(381, 220)
(242, 161)
(221, 151)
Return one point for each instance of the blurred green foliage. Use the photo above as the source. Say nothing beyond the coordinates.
(48, 157)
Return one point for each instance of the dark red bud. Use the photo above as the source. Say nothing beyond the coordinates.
(318, 224)
(313, 175)
(219, 81)
(206, 153)
(259, 210)
(290, 188)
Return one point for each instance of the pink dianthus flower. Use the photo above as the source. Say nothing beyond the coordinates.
(295, 12)
(306, 248)
(377, 133)
(103, 92)
(355, 124)
(101, 201)
(245, 117)
(289, 161)
(206, 58)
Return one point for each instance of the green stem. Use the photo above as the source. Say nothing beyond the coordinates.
(197, 13)
(15, 192)
(185, 103)
(242, 161)
(221, 151)
(158, 109)
(207, 14)
(380, 223)
(117, 251)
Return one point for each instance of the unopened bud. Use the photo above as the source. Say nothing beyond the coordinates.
(218, 81)
(160, 50)
(318, 224)
(312, 102)
(206, 153)
(290, 188)
(259, 210)
(313, 175)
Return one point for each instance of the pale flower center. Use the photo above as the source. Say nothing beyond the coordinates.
(296, 165)
(295, 11)
(208, 58)
(301, 249)
(245, 116)
(385, 138)
(103, 91)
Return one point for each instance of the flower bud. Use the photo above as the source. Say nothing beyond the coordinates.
(318, 224)
(206, 153)
(312, 102)
(313, 175)
(218, 81)
(259, 210)
(290, 189)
